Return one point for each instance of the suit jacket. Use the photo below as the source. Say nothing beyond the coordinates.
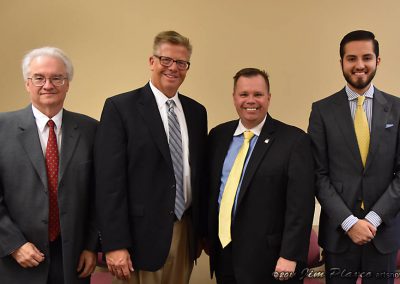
(276, 201)
(135, 176)
(341, 180)
(24, 197)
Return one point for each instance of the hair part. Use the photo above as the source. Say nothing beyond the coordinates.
(50, 52)
(359, 35)
(251, 72)
(171, 37)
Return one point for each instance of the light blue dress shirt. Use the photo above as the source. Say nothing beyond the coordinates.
(234, 148)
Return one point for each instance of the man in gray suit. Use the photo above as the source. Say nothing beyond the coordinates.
(46, 229)
(356, 143)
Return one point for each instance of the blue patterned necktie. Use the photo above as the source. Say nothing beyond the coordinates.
(175, 148)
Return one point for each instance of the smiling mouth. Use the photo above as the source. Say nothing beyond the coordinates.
(251, 108)
(171, 76)
(359, 73)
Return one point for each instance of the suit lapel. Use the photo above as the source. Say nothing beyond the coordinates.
(191, 129)
(220, 149)
(380, 114)
(342, 115)
(29, 138)
(70, 138)
(262, 146)
(148, 109)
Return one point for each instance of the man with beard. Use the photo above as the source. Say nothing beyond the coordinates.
(355, 135)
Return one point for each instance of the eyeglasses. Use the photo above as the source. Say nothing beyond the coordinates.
(40, 81)
(168, 61)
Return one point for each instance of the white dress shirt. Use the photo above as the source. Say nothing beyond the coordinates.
(43, 130)
(161, 100)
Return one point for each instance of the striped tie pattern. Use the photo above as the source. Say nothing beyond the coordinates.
(175, 148)
(51, 158)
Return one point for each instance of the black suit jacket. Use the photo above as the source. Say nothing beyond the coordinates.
(276, 201)
(135, 177)
(342, 182)
(24, 196)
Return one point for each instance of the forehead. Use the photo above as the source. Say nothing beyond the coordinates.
(47, 65)
(359, 47)
(166, 49)
(253, 83)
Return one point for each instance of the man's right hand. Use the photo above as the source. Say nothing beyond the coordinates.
(119, 263)
(362, 232)
(28, 255)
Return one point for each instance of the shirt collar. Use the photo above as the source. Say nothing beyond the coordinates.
(42, 119)
(161, 99)
(351, 95)
(256, 130)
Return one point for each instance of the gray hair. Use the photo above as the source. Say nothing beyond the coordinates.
(46, 51)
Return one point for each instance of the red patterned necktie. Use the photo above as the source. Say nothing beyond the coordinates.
(52, 179)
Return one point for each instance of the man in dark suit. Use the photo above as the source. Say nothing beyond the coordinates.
(355, 135)
(47, 233)
(270, 207)
(149, 156)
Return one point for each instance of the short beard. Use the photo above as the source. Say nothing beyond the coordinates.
(359, 84)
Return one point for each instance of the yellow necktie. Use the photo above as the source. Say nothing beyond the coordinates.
(228, 197)
(362, 132)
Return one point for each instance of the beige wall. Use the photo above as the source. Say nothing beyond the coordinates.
(296, 41)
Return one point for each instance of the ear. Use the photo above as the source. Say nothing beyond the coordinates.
(151, 62)
(27, 85)
(378, 60)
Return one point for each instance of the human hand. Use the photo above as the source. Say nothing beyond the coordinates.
(284, 269)
(28, 255)
(362, 232)
(119, 263)
(87, 263)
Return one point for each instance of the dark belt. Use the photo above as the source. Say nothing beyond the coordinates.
(188, 212)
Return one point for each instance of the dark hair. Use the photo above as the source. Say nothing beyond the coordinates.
(250, 72)
(359, 35)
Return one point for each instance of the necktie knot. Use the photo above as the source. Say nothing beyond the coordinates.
(170, 104)
(50, 124)
(248, 135)
(360, 101)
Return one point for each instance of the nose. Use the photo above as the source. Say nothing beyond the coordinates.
(173, 66)
(48, 84)
(360, 64)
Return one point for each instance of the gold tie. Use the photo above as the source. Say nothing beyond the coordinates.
(228, 197)
(362, 132)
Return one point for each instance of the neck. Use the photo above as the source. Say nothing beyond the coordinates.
(49, 111)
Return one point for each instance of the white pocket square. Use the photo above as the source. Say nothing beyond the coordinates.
(389, 125)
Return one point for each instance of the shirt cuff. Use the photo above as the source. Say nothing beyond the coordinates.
(373, 218)
(349, 222)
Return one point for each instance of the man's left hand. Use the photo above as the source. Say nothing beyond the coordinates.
(87, 263)
(284, 269)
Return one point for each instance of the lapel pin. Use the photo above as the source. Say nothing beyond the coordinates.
(266, 141)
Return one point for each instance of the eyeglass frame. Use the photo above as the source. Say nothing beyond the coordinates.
(177, 61)
(50, 79)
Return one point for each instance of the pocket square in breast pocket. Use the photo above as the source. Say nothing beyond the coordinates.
(389, 125)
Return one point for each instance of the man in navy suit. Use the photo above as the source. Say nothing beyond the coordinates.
(149, 154)
(273, 205)
(355, 135)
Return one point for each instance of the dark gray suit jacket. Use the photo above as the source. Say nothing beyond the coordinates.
(24, 194)
(342, 182)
